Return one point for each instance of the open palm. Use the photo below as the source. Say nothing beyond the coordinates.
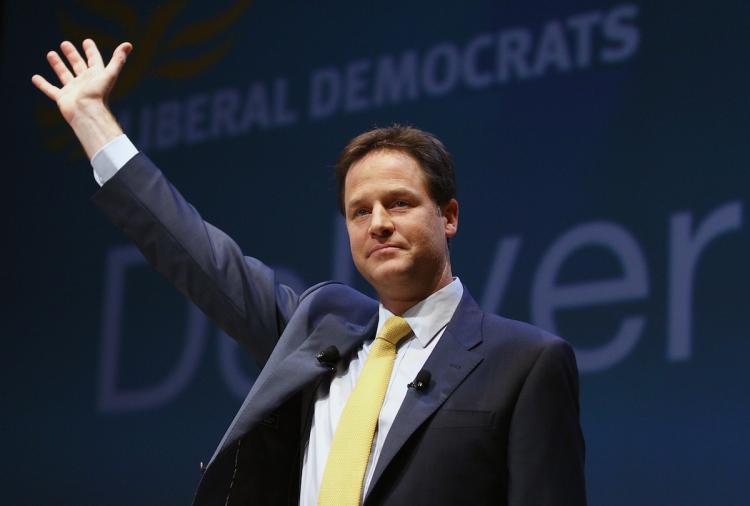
(90, 81)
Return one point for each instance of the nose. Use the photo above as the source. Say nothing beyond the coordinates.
(380, 222)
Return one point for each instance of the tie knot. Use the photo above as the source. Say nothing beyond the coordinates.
(394, 330)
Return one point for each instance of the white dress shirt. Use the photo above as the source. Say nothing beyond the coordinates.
(427, 320)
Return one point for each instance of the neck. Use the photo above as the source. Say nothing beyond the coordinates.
(398, 302)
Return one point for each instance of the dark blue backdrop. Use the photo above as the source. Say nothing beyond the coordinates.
(601, 150)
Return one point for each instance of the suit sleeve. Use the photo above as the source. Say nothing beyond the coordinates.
(545, 446)
(239, 293)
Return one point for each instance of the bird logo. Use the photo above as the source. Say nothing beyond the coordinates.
(171, 46)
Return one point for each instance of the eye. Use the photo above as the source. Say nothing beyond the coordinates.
(400, 203)
(361, 212)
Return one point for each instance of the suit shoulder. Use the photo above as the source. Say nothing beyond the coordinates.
(521, 334)
(521, 347)
(335, 289)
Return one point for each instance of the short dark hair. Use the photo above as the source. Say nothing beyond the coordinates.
(431, 156)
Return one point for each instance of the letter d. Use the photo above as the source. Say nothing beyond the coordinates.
(112, 399)
(325, 93)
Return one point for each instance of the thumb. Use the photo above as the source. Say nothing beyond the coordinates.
(119, 57)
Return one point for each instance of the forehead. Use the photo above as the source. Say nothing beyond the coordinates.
(384, 170)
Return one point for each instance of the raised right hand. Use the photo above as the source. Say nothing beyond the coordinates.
(82, 100)
(90, 82)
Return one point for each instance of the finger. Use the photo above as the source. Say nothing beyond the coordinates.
(118, 58)
(74, 58)
(93, 55)
(61, 70)
(48, 89)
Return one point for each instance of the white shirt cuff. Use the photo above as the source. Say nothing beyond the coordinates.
(112, 157)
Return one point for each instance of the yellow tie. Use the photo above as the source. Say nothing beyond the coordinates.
(350, 450)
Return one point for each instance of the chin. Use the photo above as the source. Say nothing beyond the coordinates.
(390, 275)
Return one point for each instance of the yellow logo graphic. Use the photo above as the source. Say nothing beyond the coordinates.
(167, 46)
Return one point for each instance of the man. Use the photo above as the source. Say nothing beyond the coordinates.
(446, 405)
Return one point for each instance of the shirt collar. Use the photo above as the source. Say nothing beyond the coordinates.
(429, 316)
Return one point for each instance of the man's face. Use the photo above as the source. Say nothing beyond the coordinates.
(397, 233)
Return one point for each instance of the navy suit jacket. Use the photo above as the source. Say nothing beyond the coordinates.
(498, 423)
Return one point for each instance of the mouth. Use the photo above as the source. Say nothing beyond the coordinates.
(382, 249)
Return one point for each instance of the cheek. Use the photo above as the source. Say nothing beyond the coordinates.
(356, 240)
(437, 241)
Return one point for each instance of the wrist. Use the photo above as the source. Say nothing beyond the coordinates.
(94, 125)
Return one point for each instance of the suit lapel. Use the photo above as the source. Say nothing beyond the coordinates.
(288, 371)
(450, 362)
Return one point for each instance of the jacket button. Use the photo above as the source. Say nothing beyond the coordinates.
(202, 467)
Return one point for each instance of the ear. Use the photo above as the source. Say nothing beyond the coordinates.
(450, 215)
